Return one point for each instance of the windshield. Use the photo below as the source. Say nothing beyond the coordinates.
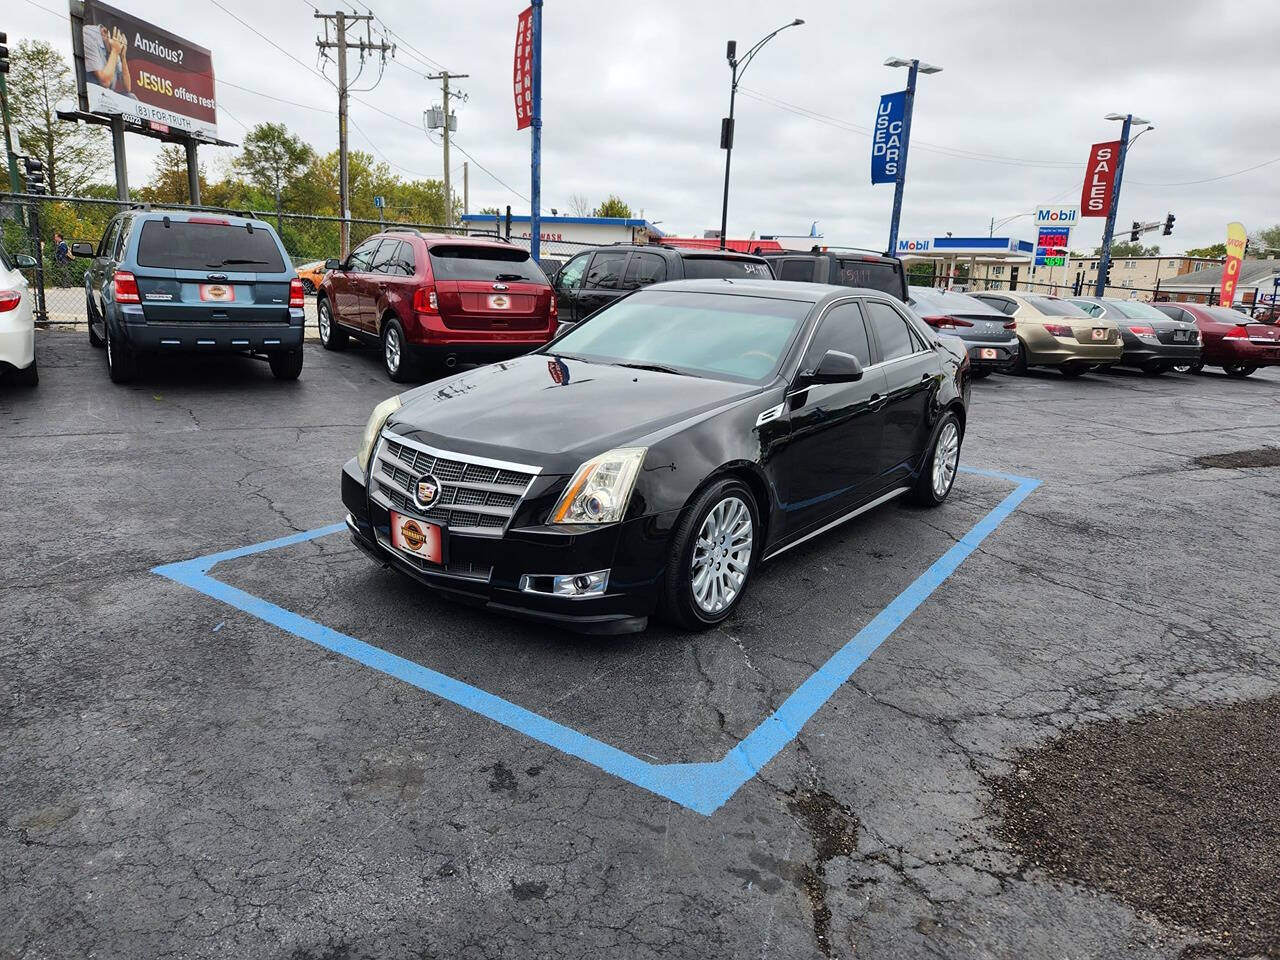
(193, 245)
(928, 300)
(717, 268)
(1136, 310)
(485, 264)
(708, 334)
(1053, 307)
(874, 274)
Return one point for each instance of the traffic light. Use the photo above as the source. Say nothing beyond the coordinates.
(1168, 224)
(1133, 237)
(4, 52)
(35, 175)
(1106, 275)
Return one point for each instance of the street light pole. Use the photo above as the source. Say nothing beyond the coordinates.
(737, 68)
(914, 67)
(1104, 261)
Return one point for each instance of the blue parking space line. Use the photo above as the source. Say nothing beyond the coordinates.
(702, 787)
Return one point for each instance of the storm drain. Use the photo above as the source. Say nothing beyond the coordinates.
(1177, 814)
(1262, 457)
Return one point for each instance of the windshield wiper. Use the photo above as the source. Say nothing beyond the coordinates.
(510, 276)
(234, 260)
(655, 367)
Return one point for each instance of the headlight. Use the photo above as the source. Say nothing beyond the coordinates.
(373, 428)
(601, 489)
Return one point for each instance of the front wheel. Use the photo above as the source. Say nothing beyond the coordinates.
(1239, 370)
(711, 557)
(938, 472)
(286, 365)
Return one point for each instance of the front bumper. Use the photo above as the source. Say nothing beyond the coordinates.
(163, 337)
(489, 570)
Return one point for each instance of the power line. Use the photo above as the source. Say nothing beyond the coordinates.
(268, 96)
(493, 176)
(259, 33)
(378, 151)
(1187, 183)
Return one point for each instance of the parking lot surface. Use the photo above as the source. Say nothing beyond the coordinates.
(181, 777)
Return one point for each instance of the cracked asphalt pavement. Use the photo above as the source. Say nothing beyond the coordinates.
(178, 778)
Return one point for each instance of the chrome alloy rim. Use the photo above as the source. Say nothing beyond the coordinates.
(945, 457)
(722, 555)
(393, 349)
(322, 320)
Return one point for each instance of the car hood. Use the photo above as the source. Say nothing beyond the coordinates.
(555, 413)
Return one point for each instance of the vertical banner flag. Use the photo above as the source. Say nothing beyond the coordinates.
(1236, 240)
(1099, 179)
(886, 142)
(522, 69)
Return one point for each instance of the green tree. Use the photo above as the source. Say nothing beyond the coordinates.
(168, 183)
(1215, 250)
(1268, 238)
(614, 206)
(273, 159)
(73, 154)
(1127, 249)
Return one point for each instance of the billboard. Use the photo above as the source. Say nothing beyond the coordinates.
(1099, 178)
(127, 66)
(886, 142)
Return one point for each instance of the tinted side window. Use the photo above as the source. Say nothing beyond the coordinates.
(875, 274)
(891, 329)
(108, 241)
(605, 272)
(796, 270)
(383, 260)
(644, 269)
(122, 242)
(841, 329)
(405, 263)
(363, 254)
(570, 275)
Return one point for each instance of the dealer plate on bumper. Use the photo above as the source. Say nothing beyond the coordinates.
(417, 538)
(987, 353)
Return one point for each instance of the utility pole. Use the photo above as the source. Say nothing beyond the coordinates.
(340, 21)
(466, 187)
(444, 76)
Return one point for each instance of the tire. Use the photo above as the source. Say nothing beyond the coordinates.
(1155, 369)
(1019, 366)
(122, 362)
(1239, 370)
(934, 483)
(981, 374)
(332, 336)
(27, 376)
(1188, 368)
(1073, 370)
(395, 356)
(94, 339)
(701, 586)
(286, 365)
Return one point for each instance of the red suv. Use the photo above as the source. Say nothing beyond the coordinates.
(1232, 340)
(433, 300)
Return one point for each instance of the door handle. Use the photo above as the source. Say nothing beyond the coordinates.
(926, 376)
(877, 401)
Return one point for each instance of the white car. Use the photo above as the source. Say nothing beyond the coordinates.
(17, 322)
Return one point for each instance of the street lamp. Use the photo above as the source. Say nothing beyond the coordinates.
(738, 68)
(914, 67)
(1104, 261)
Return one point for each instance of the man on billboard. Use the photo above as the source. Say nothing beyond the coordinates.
(106, 57)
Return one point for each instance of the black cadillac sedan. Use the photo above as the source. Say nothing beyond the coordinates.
(648, 460)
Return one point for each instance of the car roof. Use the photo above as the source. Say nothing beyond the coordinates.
(186, 216)
(776, 289)
(660, 249)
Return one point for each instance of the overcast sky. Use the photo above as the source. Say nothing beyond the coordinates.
(633, 94)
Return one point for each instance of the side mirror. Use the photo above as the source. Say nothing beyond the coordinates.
(835, 367)
(25, 262)
(332, 264)
(82, 249)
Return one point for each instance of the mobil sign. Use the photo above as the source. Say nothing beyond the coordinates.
(1059, 217)
(913, 246)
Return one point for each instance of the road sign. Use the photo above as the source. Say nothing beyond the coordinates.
(1051, 246)
(378, 202)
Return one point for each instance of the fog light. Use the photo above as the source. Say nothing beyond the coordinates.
(580, 584)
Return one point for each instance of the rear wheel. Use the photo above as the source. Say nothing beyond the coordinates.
(1073, 370)
(1155, 368)
(286, 365)
(122, 362)
(711, 557)
(938, 472)
(1019, 366)
(1239, 370)
(332, 336)
(395, 356)
(1188, 367)
(981, 374)
(27, 376)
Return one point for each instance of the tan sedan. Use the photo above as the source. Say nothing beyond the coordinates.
(1056, 333)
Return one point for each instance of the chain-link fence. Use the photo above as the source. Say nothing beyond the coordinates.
(32, 225)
